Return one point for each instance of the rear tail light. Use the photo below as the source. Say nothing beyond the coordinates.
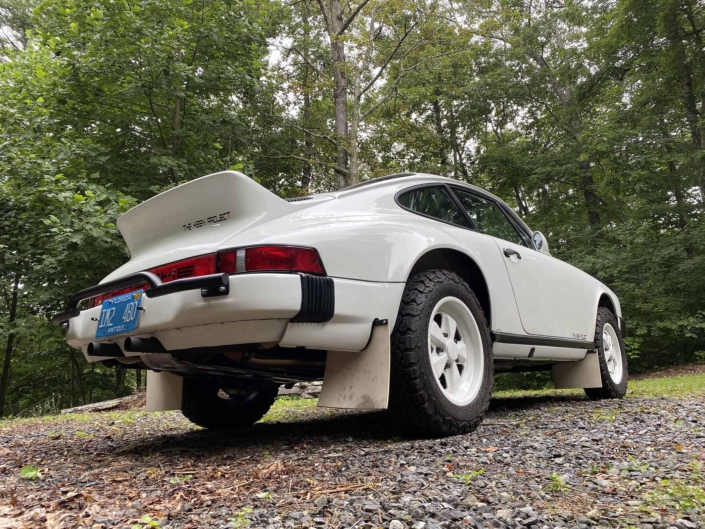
(255, 259)
(193, 267)
(270, 259)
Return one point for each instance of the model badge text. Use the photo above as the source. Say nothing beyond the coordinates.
(215, 219)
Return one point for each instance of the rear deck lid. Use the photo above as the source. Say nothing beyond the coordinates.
(196, 217)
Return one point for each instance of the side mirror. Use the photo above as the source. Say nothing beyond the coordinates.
(540, 242)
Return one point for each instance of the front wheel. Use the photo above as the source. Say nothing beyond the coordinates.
(219, 403)
(442, 370)
(612, 358)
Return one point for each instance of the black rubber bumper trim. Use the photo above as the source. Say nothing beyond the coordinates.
(210, 285)
(548, 341)
(317, 300)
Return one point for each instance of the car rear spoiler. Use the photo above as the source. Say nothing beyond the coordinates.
(210, 285)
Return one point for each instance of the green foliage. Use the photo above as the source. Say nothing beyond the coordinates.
(148, 522)
(30, 472)
(557, 484)
(587, 117)
(468, 477)
(240, 519)
(180, 479)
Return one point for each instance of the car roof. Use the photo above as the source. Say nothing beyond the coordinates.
(413, 179)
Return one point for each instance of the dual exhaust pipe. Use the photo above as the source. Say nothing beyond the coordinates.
(132, 345)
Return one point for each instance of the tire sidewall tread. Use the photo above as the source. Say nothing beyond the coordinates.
(609, 389)
(415, 395)
(201, 405)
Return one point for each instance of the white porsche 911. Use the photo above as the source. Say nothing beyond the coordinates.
(408, 292)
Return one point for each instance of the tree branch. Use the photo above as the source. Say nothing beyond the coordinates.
(403, 73)
(156, 119)
(389, 58)
(300, 158)
(351, 18)
(326, 16)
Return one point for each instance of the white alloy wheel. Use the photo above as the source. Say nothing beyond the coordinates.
(455, 350)
(612, 352)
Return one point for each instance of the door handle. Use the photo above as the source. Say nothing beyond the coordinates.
(508, 252)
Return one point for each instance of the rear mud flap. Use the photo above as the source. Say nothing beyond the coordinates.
(164, 391)
(584, 373)
(359, 380)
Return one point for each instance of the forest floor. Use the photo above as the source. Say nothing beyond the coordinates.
(540, 459)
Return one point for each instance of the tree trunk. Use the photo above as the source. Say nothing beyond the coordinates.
(176, 136)
(458, 158)
(9, 346)
(680, 202)
(119, 380)
(353, 142)
(438, 120)
(340, 97)
(591, 202)
(90, 391)
(340, 103)
(523, 208)
(307, 175)
(336, 27)
(138, 379)
(564, 94)
(79, 376)
(684, 71)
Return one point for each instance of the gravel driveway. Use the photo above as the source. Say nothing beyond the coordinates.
(535, 462)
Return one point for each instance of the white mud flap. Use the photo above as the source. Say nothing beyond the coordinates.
(359, 380)
(164, 391)
(584, 373)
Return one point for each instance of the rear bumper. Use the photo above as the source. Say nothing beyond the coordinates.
(284, 308)
(210, 285)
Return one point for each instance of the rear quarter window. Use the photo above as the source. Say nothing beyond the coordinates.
(433, 202)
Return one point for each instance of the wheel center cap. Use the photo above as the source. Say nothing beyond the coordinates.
(452, 350)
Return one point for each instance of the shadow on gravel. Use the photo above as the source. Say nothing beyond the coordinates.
(363, 426)
(525, 403)
(317, 433)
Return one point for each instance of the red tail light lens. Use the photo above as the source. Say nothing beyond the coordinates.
(255, 259)
(193, 267)
(270, 259)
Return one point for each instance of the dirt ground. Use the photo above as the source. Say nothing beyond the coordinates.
(546, 461)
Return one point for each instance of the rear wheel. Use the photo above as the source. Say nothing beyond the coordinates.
(612, 358)
(220, 403)
(442, 370)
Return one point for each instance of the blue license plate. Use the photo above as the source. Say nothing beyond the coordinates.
(119, 314)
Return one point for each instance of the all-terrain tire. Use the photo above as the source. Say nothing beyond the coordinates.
(205, 404)
(415, 396)
(609, 389)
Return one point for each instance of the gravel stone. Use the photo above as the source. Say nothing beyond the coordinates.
(687, 524)
(321, 501)
(347, 468)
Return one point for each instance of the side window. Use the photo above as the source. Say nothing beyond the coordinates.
(489, 218)
(434, 202)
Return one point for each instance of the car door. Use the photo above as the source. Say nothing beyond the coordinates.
(437, 202)
(548, 292)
